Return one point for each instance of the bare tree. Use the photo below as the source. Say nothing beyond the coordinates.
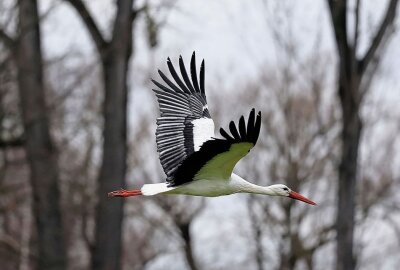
(354, 77)
(299, 148)
(176, 214)
(114, 55)
(183, 212)
(42, 156)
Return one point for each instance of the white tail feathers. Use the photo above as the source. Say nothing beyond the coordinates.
(153, 189)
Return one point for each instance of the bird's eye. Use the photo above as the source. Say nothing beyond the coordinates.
(285, 189)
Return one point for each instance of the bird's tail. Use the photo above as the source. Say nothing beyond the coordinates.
(153, 189)
(146, 190)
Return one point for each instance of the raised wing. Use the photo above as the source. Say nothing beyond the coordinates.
(185, 122)
(217, 157)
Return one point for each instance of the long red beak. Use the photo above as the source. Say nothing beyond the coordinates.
(297, 196)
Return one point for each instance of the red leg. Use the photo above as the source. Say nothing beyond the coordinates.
(125, 193)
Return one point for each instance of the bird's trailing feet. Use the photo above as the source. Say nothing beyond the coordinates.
(125, 193)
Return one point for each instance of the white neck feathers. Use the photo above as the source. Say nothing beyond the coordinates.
(242, 185)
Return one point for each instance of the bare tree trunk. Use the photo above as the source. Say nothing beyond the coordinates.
(183, 216)
(350, 136)
(288, 257)
(257, 234)
(350, 92)
(114, 55)
(109, 213)
(41, 153)
(185, 231)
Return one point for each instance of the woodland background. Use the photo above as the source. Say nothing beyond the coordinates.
(77, 120)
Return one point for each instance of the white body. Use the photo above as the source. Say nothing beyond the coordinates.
(210, 188)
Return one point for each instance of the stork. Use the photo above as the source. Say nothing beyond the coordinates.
(195, 162)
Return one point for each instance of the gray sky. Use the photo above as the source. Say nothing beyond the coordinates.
(235, 39)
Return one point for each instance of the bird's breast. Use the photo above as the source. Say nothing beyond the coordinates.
(205, 188)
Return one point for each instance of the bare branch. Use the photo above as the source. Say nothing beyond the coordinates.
(67, 92)
(15, 142)
(386, 23)
(84, 231)
(7, 40)
(10, 243)
(368, 76)
(347, 53)
(338, 11)
(356, 25)
(94, 31)
(137, 11)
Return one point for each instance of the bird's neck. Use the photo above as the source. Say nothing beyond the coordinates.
(244, 186)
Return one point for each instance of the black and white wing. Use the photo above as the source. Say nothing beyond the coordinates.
(217, 158)
(185, 122)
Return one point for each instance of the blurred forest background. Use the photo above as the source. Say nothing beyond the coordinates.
(77, 120)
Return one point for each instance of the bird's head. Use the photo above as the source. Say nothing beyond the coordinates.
(282, 190)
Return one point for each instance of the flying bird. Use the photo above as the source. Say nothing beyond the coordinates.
(194, 161)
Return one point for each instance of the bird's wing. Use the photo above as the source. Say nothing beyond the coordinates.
(185, 122)
(217, 157)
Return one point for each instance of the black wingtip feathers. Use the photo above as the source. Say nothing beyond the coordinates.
(245, 134)
(184, 83)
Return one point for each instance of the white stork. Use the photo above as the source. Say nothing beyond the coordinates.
(195, 162)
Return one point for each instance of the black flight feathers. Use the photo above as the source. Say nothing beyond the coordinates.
(249, 134)
(181, 102)
(186, 85)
